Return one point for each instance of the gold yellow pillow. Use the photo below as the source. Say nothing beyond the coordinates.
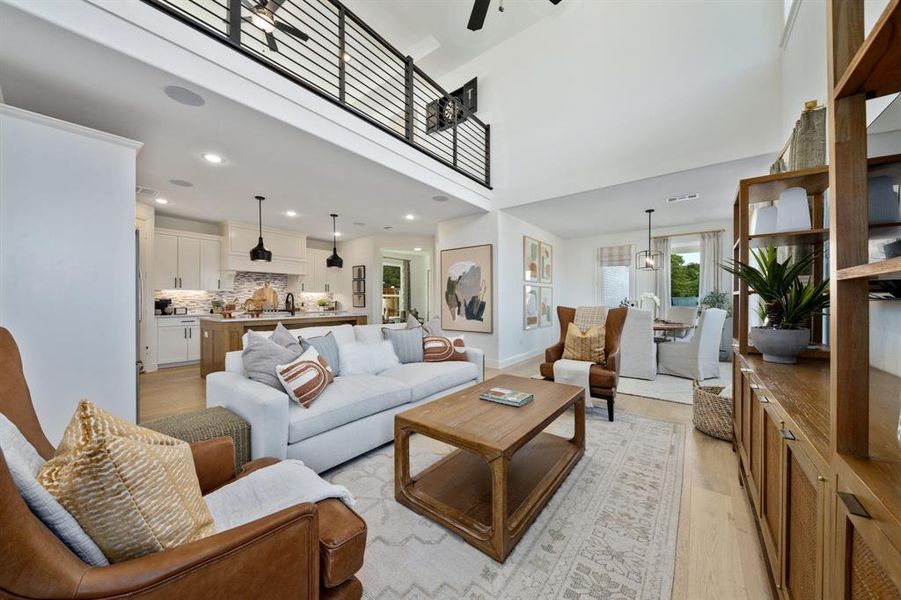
(134, 491)
(587, 345)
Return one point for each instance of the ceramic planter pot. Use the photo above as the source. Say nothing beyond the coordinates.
(780, 345)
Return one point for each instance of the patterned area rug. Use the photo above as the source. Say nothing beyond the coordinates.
(669, 388)
(608, 532)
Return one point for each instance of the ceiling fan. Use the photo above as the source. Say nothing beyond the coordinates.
(480, 11)
(262, 15)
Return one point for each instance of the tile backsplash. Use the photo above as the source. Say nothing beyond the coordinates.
(198, 301)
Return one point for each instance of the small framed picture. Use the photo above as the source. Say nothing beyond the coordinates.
(530, 258)
(359, 286)
(530, 308)
(546, 318)
(359, 271)
(359, 300)
(546, 261)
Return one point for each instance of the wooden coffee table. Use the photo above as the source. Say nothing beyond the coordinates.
(506, 468)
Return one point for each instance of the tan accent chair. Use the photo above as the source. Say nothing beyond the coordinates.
(602, 378)
(307, 551)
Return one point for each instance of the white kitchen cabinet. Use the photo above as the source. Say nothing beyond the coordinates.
(319, 278)
(178, 340)
(288, 249)
(186, 261)
(165, 261)
(210, 261)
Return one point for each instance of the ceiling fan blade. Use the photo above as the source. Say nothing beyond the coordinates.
(479, 12)
(270, 41)
(291, 30)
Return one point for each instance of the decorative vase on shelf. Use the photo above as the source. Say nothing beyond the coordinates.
(794, 210)
(883, 200)
(780, 345)
(764, 220)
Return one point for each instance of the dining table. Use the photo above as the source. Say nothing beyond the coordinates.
(669, 329)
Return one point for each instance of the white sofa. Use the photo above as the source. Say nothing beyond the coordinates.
(353, 415)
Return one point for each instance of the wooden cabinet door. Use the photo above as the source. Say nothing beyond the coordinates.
(736, 401)
(188, 263)
(165, 261)
(803, 531)
(868, 565)
(755, 444)
(172, 344)
(194, 342)
(746, 419)
(210, 261)
(770, 509)
(331, 280)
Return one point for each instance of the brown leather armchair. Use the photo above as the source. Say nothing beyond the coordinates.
(602, 378)
(307, 551)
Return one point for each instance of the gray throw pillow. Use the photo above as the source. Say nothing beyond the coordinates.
(327, 346)
(286, 339)
(413, 322)
(433, 327)
(407, 343)
(261, 355)
(24, 464)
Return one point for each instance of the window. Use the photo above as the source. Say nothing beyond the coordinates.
(685, 270)
(614, 274)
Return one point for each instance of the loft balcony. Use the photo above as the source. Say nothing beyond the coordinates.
(324, 47)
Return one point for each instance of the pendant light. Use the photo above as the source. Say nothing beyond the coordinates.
(334, 261)
(260, 253)
(646, 260)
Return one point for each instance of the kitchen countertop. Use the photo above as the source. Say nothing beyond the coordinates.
(280, 316)
(187, 316)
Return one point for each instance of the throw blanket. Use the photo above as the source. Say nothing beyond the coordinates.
(574, 372)
(589, 316)
(270, 490)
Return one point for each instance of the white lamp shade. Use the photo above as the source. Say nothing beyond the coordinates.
(884, 206)
(764, 220)
(794, 210)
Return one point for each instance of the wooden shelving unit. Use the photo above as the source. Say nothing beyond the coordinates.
(818, 443)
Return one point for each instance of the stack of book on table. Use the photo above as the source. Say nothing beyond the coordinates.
(505, 396)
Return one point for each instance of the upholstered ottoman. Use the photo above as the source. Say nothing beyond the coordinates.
(207, 424)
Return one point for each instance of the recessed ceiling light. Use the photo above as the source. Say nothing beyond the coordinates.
(409, 217)
(337, 234)
(162, 201)
(359, 224)
(387, 227)
(181, 183)
(291, 213)
(439, 198)
(212, 158)
(184, 95)
(417, 249)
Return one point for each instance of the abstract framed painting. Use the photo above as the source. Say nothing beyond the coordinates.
(546, 315)
(530, 258)
(546, 263)
(531, 306)
(466, 289)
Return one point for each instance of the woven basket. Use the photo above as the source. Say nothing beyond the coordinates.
(206, 424)
(712, 412)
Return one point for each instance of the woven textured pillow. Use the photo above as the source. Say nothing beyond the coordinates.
(134, 491)
(327, 346)
(407, 343)
(436, 348)
(305, 378)
(584, 345)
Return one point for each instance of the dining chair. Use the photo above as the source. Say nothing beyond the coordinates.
(683, 314)
(699, 357)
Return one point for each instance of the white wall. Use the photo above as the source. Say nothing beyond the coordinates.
(579, 266)
(67, 263)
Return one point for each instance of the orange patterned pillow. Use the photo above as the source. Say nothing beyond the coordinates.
(305, 377)
(436, 348)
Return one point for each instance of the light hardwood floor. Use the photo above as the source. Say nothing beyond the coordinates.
(718, 555)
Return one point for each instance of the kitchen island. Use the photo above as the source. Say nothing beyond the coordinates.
(218, 335)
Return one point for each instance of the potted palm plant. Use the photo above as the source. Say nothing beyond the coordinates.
(787, 302)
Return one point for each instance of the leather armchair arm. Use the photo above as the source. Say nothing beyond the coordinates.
(214, 461)
(273, 557)
(613, 363)
(554, 353)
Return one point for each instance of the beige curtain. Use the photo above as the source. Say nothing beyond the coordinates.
(664, 275)
(711, 257)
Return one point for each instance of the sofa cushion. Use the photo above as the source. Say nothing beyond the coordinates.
(305, 378)
(367, 359)
(261, 356)
(407, 343)
(426, 379)
(368, 334)
(344, 334)
(327, 346)
(24, 464)
(285, 338)
(346, 399)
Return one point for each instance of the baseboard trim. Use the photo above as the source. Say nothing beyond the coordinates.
(507, 362)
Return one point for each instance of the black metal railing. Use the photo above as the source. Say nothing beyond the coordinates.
(347, 62)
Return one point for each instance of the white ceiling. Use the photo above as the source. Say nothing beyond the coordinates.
(434, 32)
(621, 207)
(54, 72)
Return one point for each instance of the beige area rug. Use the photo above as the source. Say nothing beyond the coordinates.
(608, 532)
(669, 388)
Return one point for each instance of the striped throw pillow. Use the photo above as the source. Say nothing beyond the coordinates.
(584, 345)
(133, 490)
(436, 348)
(306, 377)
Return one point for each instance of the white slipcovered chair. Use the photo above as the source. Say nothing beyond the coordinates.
(683, 314)
(638, 352)
(698, 357)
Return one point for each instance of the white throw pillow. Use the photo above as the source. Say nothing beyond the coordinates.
(367, 359)
(306, 377)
